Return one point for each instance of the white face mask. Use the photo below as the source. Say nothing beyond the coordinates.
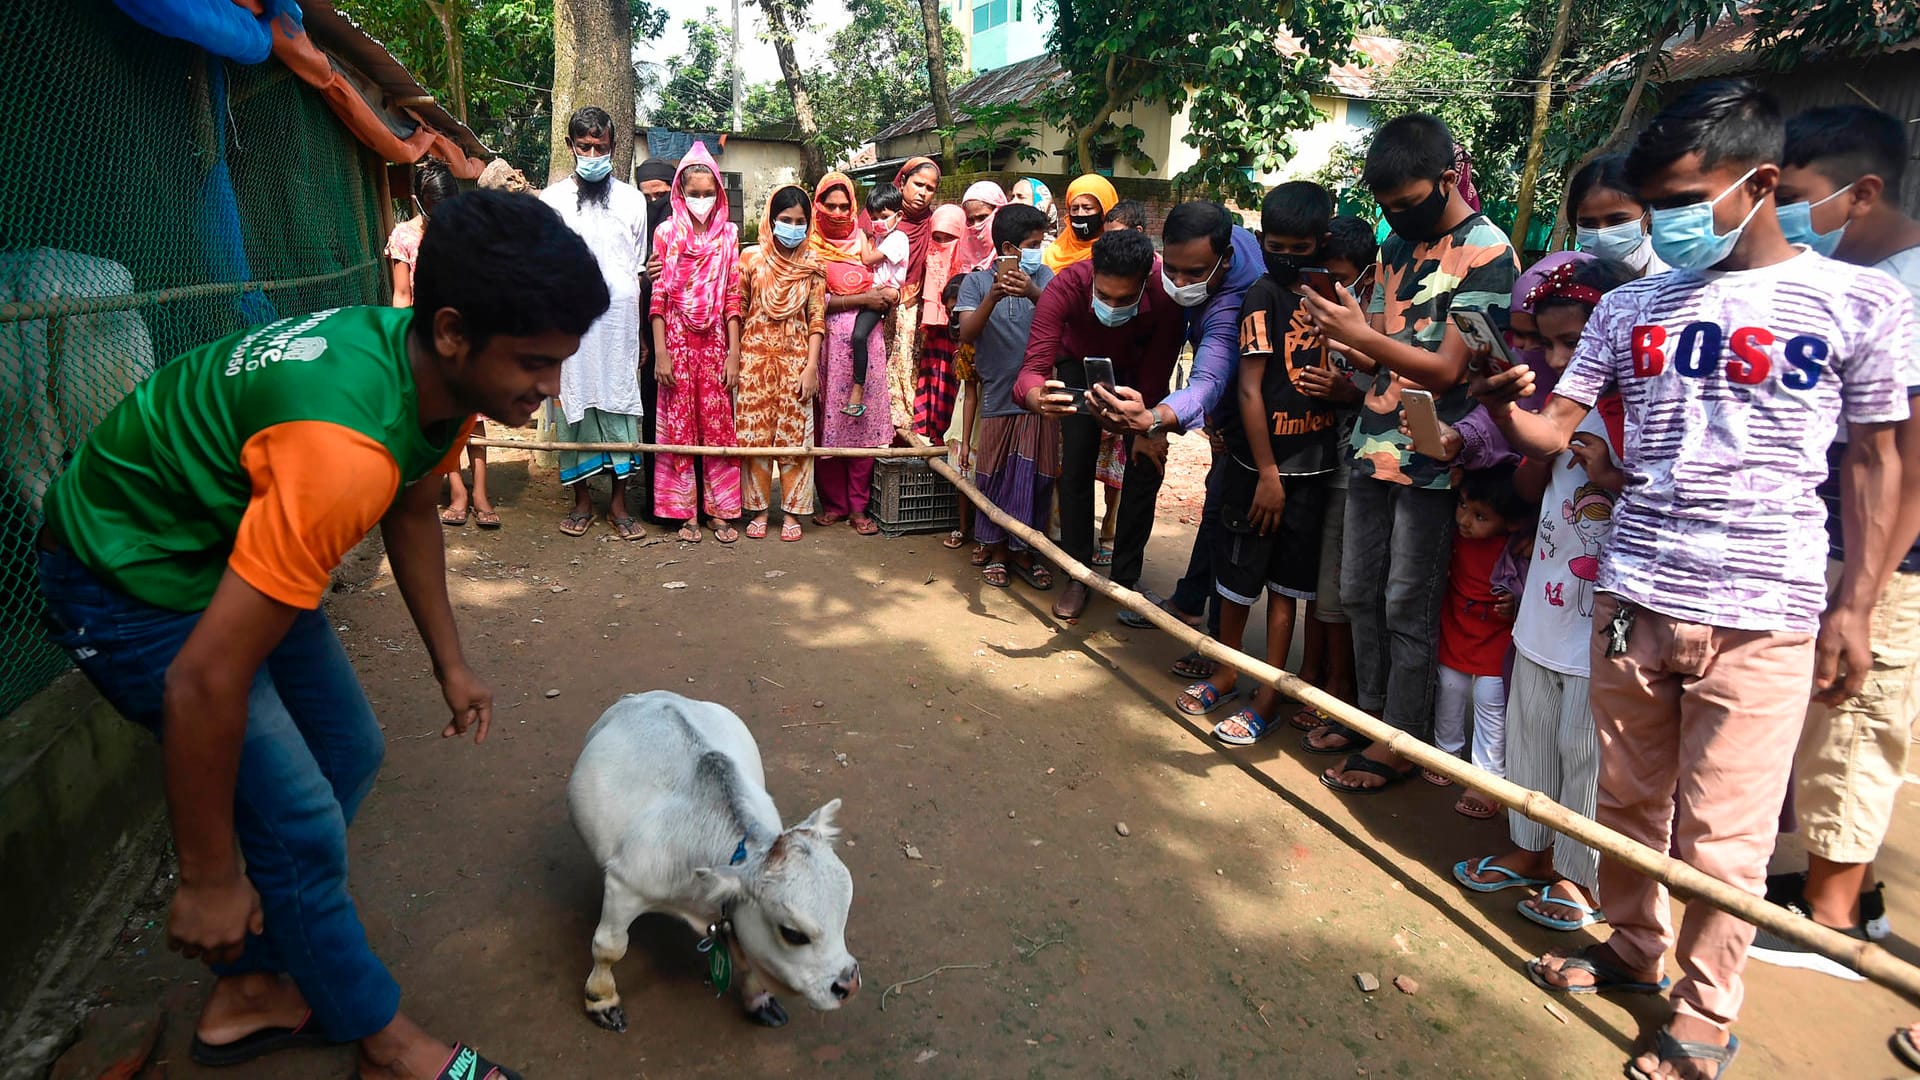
(702, 207)
(1626, 242)
(1189, 295)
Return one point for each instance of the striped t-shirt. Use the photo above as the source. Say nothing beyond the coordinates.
(1733, 383)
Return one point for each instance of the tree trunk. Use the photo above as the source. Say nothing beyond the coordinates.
(592, 47)
(1537, 137)
(932, 20)
(456, 56)
(781, 30)
(1083, 134)
(1649, 60)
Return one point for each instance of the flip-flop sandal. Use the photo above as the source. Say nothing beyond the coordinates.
(790, 531)
(1469, 807)
(466, 1064)
(1256, 726)
(1463, 873)
(1668, 1048)
(979, 556)
(1035, 574)
(448, 519)
(853, 410)
(1903, 1046)
(725, 533)
(1209, 696)
(486, 519)
(756, 530)
(628, 528)
(1103, 557)
(955, 540)
(1355, 742)
(258, 1044)
(576, 524)
(1193, 666)
(1308, 718)
(1437, 780)
(1607, 978)
(825, 518)
(995, 574)
(1362, 764)
(1588, 915)
(865, 525)
(688, 534)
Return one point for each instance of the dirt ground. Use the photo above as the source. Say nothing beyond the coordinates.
(1219, 938)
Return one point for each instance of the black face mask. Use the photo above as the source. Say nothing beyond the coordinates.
(659, 208)
(1416, 224)
(1285, 269)
(1085, 226)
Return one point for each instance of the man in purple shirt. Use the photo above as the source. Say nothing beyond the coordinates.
(1114, 306)
(1208, 263)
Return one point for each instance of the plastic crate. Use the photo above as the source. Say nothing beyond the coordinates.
(909, 497)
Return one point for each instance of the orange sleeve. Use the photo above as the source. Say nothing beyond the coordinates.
(451, 463)
(317, 489)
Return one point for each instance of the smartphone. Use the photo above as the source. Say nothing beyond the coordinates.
(1005, 263)
(1100, 372)
(1480, 335)
(1424, 422)
(1320, 280)
(1081, 404)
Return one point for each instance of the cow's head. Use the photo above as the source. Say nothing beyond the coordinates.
(789, 911)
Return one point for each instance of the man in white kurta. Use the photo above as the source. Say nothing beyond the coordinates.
(600, 384)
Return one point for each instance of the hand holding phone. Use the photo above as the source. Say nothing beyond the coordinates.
(1481, 336)
(1100, 372)
(1005, 263)
(1423, 423)
(1320, 280)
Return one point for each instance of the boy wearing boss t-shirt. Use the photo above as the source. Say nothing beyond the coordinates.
(1734, 370)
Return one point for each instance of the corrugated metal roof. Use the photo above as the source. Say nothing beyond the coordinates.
(1024, 82)
(341, 38)
(1726, 49)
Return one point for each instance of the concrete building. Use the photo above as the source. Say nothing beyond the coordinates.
(1000, 32)
(751, 165)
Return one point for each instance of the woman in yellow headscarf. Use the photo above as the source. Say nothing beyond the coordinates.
(1088, 200)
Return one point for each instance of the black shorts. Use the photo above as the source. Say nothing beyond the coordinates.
(1286, 560)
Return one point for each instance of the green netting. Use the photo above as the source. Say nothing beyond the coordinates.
(124, 241)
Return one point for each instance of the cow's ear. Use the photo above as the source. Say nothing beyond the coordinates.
(819, 824)
(720, 887)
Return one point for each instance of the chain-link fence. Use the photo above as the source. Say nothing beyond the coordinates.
(152, 198)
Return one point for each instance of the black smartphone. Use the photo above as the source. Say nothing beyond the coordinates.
(1081, 404)
(1100, 372)
(1320, 280)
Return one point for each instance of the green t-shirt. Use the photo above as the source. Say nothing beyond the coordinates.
(273, 451)
(1471, 268)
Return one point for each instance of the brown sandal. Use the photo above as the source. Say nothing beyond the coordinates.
(864, 525)
(576, 523)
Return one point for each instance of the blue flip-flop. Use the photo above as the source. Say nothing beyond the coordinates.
(1255, 724)
(1509, 879)
(1207, 694)
(1588, 915)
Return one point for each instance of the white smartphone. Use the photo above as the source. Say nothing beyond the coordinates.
(1481, 336)
(1424, 421)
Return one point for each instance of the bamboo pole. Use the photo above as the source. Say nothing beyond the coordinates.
(1865, 957)
(719, 451)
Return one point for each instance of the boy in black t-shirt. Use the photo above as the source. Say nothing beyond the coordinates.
(1281, 446)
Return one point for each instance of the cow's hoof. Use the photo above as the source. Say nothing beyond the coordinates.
(613, 1017)
(770, 1014)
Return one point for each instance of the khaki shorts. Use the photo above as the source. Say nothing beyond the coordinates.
(1853, 758)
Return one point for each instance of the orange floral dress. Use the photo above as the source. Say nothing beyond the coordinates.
(780, 313)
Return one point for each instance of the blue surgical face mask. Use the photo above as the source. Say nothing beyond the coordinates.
(1114, 316)
(593, 169)
(1796, 220)
(1683, 236)
(1032, 259)
(1626, 242)
(789, 234)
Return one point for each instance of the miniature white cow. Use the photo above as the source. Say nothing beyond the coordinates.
(670, 797)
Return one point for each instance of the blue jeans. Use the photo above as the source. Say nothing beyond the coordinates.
(312, 749)
(1194, 593)
(1393, 577)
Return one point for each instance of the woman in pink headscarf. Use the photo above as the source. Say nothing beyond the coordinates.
(976, 244)
(935, 385)
(696, 345)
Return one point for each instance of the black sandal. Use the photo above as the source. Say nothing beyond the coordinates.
(1035, 574)
(1360, 763)
(1607, 979)
(256, 1045)
(1668, 1048)
(1194, 668)
(1355, 742)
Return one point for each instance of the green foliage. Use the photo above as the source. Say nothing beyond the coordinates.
(997, 124)
(697, 92)
(874, 73)
(507, 57)
(1242, 94)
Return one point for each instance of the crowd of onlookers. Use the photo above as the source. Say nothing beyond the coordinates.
(1628, 525)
